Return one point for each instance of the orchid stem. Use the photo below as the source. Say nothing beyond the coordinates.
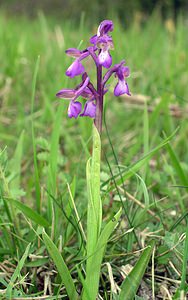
(99, 100)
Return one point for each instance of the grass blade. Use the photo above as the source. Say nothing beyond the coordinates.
(131, 283)
(37, 183)
(16, 273)
(61, 267)
(29, 213)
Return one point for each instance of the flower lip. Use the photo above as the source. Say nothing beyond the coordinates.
(105, 59)
(89, 109)
(74, 109)
(121, 88)
(76, 68)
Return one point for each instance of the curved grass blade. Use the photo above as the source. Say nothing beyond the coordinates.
(183, 216)
(131, 283)
(29, 213)
(61, 267)
(16, 273)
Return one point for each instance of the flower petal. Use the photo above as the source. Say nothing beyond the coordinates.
(105, 59)
(89, 110)
(74, 109)
(73, 52)
(125, 71)
(87, 94)
(76, 68)
(104, 27)
(104, 42)
(93, 39)
(66, 94)
(82, 87)
(121, 88)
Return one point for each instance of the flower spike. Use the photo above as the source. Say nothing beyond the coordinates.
(99, 51)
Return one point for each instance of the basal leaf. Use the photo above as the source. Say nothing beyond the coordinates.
(29, 213)
(61, 267)
(131, 283)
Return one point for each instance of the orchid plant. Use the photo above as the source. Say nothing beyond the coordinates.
(102, 43)
(97, 234)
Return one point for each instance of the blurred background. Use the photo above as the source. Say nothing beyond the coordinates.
(150, 35)
(72, 9)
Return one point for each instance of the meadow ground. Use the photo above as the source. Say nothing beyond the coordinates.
(43, 157)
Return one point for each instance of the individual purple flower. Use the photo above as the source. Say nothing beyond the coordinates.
(76, 68)
(105, 43)
(73, 94)
(104, 27)
(75, 107)
(122, 86)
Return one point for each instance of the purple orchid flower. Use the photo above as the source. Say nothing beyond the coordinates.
(122, 86)
(75, 107)
(102, 43)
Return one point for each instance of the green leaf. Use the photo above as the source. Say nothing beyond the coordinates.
(61, 267)
(131, 283)
(93, 271)
(95, 180)
(16, 273)
(29, 213)
(94, 212)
